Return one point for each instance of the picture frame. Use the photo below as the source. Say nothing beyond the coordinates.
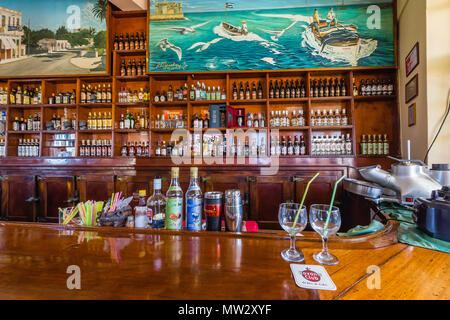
(194, 36)
(412, 115)
(412, 89)
(69, 38)
(412, 60)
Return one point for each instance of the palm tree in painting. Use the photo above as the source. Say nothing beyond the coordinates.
(99, 9)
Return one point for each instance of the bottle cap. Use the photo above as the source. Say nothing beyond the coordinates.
(194, 172)
(175, 172)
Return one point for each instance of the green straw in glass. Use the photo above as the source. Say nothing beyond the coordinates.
(331, 205)
(304, 197)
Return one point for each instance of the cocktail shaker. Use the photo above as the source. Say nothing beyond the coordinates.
(233, 211)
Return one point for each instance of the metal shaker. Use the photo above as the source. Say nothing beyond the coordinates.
(233, 211)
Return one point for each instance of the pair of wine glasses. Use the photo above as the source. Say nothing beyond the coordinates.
(324, 222)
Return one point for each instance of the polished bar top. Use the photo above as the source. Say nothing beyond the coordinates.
(148, 264)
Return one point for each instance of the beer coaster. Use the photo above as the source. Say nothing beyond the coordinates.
(312, 277)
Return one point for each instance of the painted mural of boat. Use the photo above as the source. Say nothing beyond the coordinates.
(235, 31)
(337, 37)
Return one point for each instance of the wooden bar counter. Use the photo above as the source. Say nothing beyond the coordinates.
(134, 264)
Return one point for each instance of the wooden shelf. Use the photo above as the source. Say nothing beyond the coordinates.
(169, 104)
(290, 128)
(131, 130)
(131, 52)
(130, 14)
(132, 78)
(59, 105)
(94, 105)
(59, 131)
(25, 106)
(24, 132)
(91, 131)
(246, 102)
(288, 100)
(382, 97)
(133, 104)
(323, 99)
(207, 102)
(330, 128)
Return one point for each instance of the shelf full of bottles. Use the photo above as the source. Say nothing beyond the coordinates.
(314, 112)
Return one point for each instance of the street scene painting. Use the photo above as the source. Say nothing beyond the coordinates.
(53, 37)
(216, 35)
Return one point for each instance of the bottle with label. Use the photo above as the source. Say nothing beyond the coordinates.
(156, 205)
(174, 215)
(363, 145)
(385, 145)
(141, 212)
(194, 203)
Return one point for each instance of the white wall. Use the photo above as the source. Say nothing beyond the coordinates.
(426, 22)
(438, 77)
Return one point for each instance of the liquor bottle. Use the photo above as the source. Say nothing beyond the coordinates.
(302, 145)
(271, 90)
(283, 146)
(344, 118)
(385, 145)
(363, 146)
(127, 42)
(369, 145)
(174, 215)
(194, 205)
(157, 205)
(116, 42)
(121, 42)
(348, 145)
(343, 88)
(290, 147)
(260, 90)
(355, 89)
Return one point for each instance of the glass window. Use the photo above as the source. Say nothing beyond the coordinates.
(3, 21)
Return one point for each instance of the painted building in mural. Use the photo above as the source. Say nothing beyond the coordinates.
(11, 34)
(53, 45)
(167, 11)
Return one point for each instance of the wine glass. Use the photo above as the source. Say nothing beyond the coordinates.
(286, 216)
(318, 215)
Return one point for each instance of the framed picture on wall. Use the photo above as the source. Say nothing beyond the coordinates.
(412, 60)
(53, 38)
(412, 115)
(220, 36)
(412, 88)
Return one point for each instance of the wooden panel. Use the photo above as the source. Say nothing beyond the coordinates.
(54, 193)
(320, 190)
(221, 182)
(19, 198)
(266, 194)
(93, 187)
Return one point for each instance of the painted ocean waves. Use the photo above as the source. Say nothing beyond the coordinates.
(276, 39)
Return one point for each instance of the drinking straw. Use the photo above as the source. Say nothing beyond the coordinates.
(304, 197)
(331, 205)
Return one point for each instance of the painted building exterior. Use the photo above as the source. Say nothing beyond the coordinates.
(53, 45)
(11, 34)
(167, 11)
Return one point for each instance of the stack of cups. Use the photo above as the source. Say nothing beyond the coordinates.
(233, 211)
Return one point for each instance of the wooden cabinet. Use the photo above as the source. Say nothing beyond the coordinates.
(320, 190)
(55, 192)
(95, 187)
(19, 199)
(132, 184)
(266, 194)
